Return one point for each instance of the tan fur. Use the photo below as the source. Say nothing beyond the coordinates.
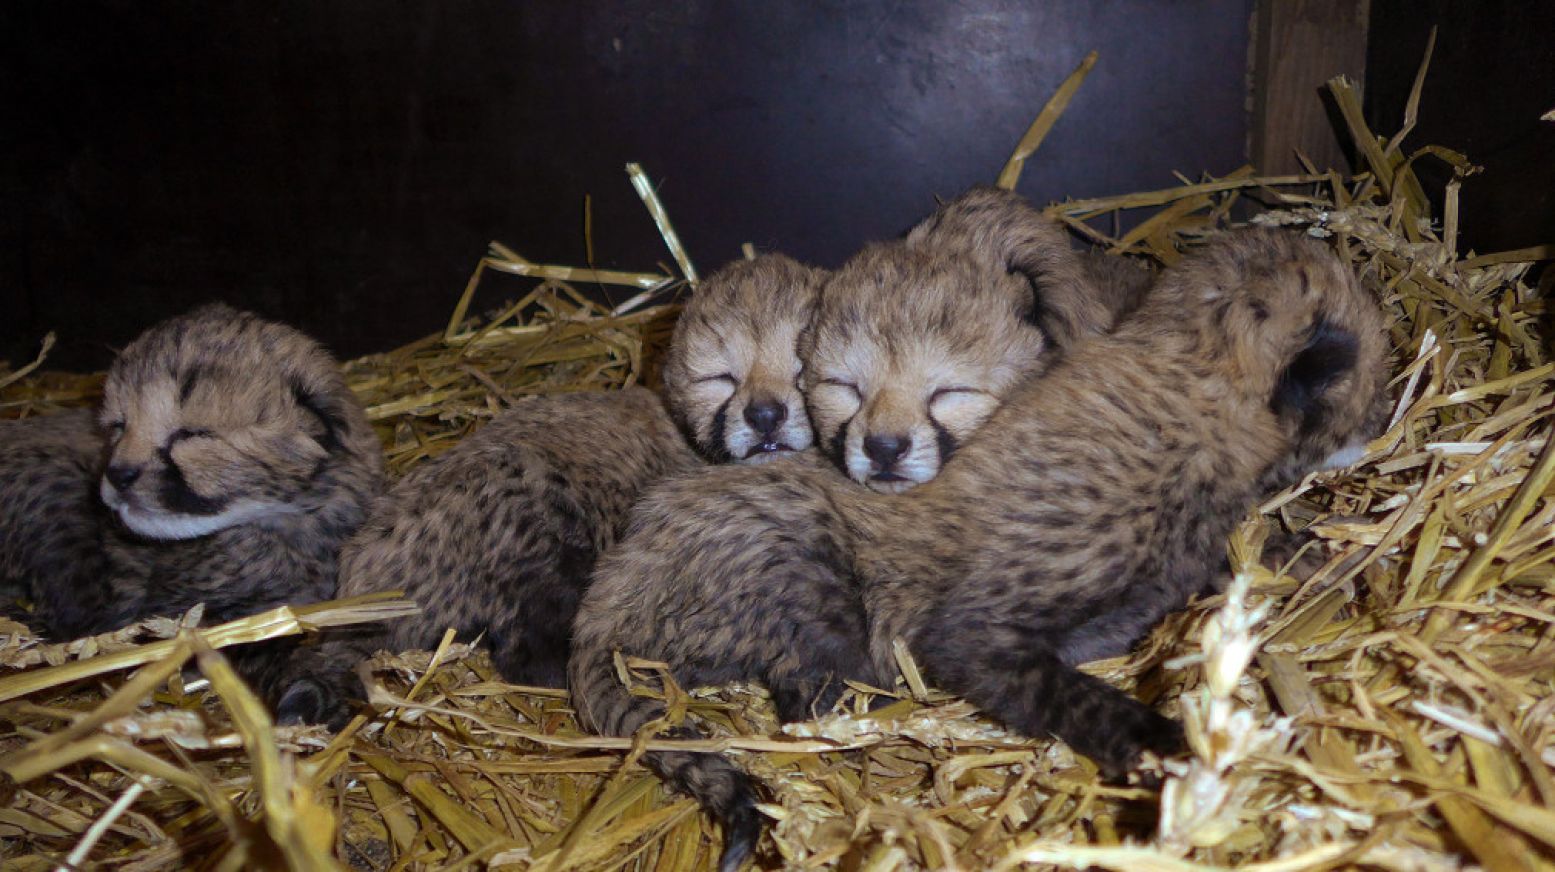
(1007, 234)
(1123, 281)
(498, 536)
(495, 538)
(732, 374)
(1094, 501)
(237, 461)
(909, 353)
(916, 341)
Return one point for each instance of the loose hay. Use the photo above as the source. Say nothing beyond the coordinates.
(1393, 709)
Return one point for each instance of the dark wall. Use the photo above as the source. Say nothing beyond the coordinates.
(1491, 77)
(342, 164)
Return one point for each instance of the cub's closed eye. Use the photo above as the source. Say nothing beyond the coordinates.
(950, 391)
(183, 433)
(114, 429)
(841, 383)
(721, 377)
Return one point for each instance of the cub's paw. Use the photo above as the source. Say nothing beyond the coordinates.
(307, 701)
(1165, 738)
(1144, 730)
(798, 701)
(1163, 735)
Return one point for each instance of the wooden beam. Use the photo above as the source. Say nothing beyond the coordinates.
(1297, 46)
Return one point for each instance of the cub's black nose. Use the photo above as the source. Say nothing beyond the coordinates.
(886, 450)
(765, 416)
(121, 477)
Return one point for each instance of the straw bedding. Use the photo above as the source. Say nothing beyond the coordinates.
(1389, 705)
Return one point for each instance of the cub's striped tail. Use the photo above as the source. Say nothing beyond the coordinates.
(722, 788)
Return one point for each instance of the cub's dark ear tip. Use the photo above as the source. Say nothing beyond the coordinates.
(316, 405)
(1330, 351)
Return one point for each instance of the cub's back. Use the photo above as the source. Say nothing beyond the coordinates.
(570, 462)
(498, 536)
(49, 516)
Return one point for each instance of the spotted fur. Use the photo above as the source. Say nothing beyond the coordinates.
(228, 463)
(497, 537)
(732, 374)
(51, 522)
(1097, 499)
(1005, 233)
(916, 341)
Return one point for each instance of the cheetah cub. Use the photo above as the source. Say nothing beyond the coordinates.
(1095, 501)
(228, 463)
(916, 341)
(732, 375)
(497, 537)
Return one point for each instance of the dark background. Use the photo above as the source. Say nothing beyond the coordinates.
(1492, 76)
(341, 165)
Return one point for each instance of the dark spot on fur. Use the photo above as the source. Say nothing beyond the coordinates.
(945, 320)
(837, 447)
(191, 378)
(1220, 312)
(183, 433)
(177, 496)
(1260, 311)
(945, 440)
(1328, 354)
(717, 449)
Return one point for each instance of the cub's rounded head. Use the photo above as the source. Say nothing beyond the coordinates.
(1299, 331)
(217, 418)
(1003, 230)
(909, 353)
(731, 377)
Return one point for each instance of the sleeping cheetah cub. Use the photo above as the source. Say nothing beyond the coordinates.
(1095, 501)
(732, 376)
(916, 341)
(228, 463)
(498, 535)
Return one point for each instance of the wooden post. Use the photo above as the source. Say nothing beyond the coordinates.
(1297, 46)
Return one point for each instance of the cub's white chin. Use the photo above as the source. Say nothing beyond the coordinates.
(743, 445)
(891, 487)
(175, 527)
(1349, 455)
(170, 527)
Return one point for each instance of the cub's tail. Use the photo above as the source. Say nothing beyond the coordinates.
(1020, 680)
(722, 788)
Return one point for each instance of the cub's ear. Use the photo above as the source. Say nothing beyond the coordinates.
(1003, 229)
(1066, 300)
(319, 407)
(1328, 354)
